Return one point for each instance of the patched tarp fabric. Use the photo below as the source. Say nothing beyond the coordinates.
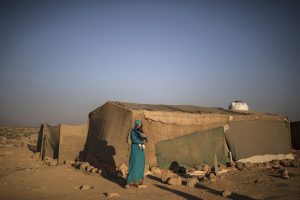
(193, 149)
(258, 137)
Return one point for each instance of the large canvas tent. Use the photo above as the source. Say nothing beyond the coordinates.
(62, 142)
(182, 127)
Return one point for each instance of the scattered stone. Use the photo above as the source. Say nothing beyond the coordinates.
(239, 166)
(147, 168)
(83, 165)
(275, 164)
(285, 163)
(248, 165)
(295, 163)
(259, 181)
(88, 168)
(222, 167)
(285, 174)
(123, 169)
(77, 165)
(94, 170)
(226, 193)
(69, 162)
(166, 174)
(175, 180)
(230, 165)
(198, 167)
(212, 177)
(205, 168)
(192, 182)
(266, 165)
(111, 194)
(155, 170)
(38, 188)
(85, 187)
(183, 169)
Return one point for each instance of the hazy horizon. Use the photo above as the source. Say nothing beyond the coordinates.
(59, 60)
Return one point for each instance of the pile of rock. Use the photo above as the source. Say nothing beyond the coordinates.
(170, 178)
(86, 167)
(50, 161)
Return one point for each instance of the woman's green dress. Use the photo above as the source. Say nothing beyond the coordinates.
(137, 159)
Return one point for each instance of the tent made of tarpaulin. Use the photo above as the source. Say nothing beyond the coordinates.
(259, 140)
(109, 126)
(62, 142)
(192, 149)
(295, 133)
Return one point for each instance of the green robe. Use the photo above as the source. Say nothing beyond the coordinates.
(137, 159)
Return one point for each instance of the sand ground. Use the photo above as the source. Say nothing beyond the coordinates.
(24, 177)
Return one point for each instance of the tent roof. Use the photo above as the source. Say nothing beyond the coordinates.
(181, 108)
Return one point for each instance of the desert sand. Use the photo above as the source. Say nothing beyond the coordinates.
(24, 176)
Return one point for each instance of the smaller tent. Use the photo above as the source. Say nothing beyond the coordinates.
(62, 142)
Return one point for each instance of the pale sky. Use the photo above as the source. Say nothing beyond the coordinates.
(59, 60)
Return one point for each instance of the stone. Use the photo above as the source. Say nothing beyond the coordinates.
(212, 177)
(192, 182)
(285, 174)
(175, 180)
(85, 187)
(205, 168)
(226, 193)
(166, 174)
(239, 166)
(275, 163)
(88, 168)
(198, 167)
(183, 169)
(222, 167)
(94, 170)
(147, 168)
(69, 162)
(285, 163)
(258, 181)
(77, 165)
(111, 194)
(155, 170)
(248, 165)
(83, 165)
(123, 169)
(295, 163)
(230, 164)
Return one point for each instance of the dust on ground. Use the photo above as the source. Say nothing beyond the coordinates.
(22, 176)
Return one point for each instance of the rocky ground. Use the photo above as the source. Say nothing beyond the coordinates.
(24, 176)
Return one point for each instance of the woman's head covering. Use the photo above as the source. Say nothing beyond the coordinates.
(137, 123)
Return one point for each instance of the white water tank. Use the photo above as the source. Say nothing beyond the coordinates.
(239, 106)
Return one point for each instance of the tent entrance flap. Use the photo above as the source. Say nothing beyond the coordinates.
(193, 149)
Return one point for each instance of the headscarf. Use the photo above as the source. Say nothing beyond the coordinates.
(137, 123)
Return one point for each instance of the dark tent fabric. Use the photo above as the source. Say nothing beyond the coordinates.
(258, 137)
(193, 149)
(50, 142)
(62, 142)
(295, 133)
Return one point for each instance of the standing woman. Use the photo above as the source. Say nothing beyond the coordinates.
(137, 157)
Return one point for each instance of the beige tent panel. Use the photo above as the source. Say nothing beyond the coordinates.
(62, 142)
(71, 142)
